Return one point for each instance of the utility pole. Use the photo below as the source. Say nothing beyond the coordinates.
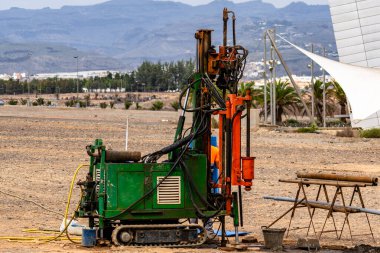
(27, 79)
(312, 86)
(273, 96)
(273, 75)
(77, 58)
(265, 79)
(324, 91)
(271, 85)
(28, 83)
(289, 73)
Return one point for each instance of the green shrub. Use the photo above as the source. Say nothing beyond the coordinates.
(157, 105)
(35, 103)
(82, 104)
(69, 103)
(336, 123)
(23, 101)
(40, 101)
(138, 107)
(370, 133)
(292, 123)
(312, 129)
(13, 102)
(103, 105)
(127, 104)
(112, 104)
(48, 103)
(87, 99)
(175, 105)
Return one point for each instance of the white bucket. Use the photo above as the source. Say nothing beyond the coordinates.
(75, 228)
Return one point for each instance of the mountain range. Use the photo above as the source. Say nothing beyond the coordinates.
(120, 34)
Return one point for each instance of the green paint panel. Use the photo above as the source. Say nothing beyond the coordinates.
(128, 182)
(134, 181)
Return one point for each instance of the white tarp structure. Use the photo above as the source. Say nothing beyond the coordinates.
(361, 85)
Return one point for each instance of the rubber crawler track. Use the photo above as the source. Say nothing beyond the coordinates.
(201, 239)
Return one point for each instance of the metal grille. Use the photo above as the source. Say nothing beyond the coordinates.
(169, 192)
(97, 179)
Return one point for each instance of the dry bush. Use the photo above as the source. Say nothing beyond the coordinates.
(346, 132)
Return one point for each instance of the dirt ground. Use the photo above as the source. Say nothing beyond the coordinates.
(40, 148)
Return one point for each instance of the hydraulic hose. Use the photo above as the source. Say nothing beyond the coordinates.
(68, 203)
(198, 131)
(46, 239)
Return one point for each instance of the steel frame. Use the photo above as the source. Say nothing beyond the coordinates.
(302, 201)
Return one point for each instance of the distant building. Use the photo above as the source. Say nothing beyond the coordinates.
(73, 75)
(18, 76)
(5, 77)
(357, 31)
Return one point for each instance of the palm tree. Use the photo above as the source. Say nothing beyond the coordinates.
(256, 93)
(246, 86)
(318, 98)
(341, 98)
(287, 100)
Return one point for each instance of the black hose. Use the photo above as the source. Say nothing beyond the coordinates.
(167, 175)
(200, 131)
(184, 92)
(193, 187)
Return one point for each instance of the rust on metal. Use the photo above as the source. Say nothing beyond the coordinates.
(325, 182)
(336, 177)
(122, 156)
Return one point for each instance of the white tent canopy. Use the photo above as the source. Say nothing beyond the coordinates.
(361, 85)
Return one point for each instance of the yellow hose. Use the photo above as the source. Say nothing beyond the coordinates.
(40, 231)
(45, 239)
(35, 239)
(68, 204)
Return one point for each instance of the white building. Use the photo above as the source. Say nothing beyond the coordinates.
(73, 75)
(5, 77)
(357, 31)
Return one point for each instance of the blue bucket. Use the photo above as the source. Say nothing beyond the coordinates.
(88, 237)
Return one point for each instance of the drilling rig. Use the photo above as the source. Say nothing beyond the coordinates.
(136, 200)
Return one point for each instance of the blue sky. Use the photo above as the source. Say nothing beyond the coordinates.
(37, 4)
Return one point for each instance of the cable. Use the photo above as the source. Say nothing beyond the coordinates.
(183, 93)
(214, 93)
(217, 231)
(46, 239)
(68, 204)
(33, 202)
(153, 157)
(192, 184)
(167, 175)
(200, 213)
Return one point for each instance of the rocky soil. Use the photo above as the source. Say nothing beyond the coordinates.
(40, 148)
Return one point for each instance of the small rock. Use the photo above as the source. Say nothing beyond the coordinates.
(227, 249)
(308, 244)
(249, 239)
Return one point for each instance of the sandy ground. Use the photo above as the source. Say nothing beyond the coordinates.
(40, 148)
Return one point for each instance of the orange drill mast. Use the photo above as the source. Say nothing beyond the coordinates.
(220, 72)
